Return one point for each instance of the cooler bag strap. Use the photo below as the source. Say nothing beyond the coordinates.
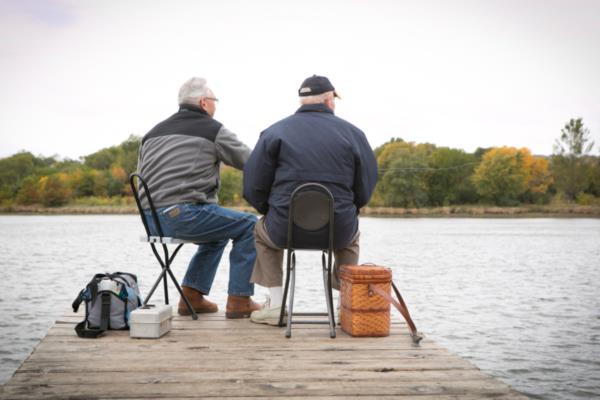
(87, 333)
(105, 311)
(77, 301)
(83, 331)
(400, 306)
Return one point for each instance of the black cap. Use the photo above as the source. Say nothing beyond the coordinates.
(316, 85)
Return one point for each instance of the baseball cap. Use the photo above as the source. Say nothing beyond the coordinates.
(316, 85)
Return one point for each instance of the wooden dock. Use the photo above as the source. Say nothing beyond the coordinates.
(218, 358)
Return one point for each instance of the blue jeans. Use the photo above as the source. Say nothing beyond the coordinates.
(212, 227)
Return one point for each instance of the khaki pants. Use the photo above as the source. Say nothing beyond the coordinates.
(268, 267)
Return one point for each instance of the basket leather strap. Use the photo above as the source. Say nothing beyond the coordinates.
(401, 306)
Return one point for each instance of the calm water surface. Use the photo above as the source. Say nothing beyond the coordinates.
(520, 298)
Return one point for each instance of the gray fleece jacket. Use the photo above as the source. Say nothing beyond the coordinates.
(180, 158)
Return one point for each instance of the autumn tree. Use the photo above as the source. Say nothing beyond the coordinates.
(539, 181)
(54, 191)
(116, 181)
(29, 193)
(503, 175)
(87, 182)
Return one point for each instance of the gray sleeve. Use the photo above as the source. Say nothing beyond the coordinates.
(139, 159)
(230, 150)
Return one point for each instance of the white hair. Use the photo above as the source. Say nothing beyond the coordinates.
(316, 99)
(192, 90)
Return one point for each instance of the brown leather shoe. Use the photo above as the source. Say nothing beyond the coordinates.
(197, 300)
(240, 307)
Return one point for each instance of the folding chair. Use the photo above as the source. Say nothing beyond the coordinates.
(310, 227)
(165, 261)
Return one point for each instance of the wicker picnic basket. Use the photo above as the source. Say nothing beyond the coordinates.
(363, 312)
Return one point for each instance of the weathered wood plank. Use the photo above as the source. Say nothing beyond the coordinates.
(228, 388)
(254, 375)
(207, 346)
(198, 365)
(419, 397)
(219, 358)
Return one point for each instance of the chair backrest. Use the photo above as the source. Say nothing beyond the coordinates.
(311, 218)
(136, 195)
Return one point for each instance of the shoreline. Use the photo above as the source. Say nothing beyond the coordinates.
(464, 211)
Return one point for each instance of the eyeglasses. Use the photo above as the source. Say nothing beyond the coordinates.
(212, 98)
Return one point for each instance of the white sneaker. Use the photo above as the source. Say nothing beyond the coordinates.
(267, 315)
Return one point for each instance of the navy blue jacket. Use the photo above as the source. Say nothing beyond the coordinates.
(312, 145)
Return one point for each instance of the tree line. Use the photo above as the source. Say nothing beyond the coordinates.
(410, 175)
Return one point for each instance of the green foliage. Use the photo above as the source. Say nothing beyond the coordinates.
(123, 155)
(585, 199)
(13, 170)
(595, 177)
(571, 174)
(379, 149)
(27, 179)
(89, 182)
(230, 192)
(571, 167)
(94, 201)
(448, 181)
(29, 193)
(402, 169)
(54, 191)
(102, 159)
(129, 154)
(574, 139)
(410, 175)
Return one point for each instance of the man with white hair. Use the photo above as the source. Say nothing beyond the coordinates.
(312, 145)
(180, 159)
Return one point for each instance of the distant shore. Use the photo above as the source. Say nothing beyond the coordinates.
(464, 211)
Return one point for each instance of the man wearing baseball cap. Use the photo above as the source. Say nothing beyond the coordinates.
(311, 145)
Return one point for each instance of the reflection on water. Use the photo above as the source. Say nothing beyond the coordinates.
(517, 297)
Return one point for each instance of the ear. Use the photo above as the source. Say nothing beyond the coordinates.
(330, 102)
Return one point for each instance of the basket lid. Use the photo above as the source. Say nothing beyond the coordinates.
(365, 272)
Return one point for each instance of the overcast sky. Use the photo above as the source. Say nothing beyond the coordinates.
(77, 76)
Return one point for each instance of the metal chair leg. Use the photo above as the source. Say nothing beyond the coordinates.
(285, 289)
(161, 276)
(168, 265)
(330, 274)
(328, 295)
(166, 269)
(185, 299)
(288, 331)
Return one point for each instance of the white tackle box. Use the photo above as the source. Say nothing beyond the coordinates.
(150, 321)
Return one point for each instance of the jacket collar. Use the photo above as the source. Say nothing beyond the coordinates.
(191, 107)
(315, 108)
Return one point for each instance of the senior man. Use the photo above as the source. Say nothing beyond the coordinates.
(180, 159)
(312, 145)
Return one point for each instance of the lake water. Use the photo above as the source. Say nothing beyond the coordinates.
(519, 298)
